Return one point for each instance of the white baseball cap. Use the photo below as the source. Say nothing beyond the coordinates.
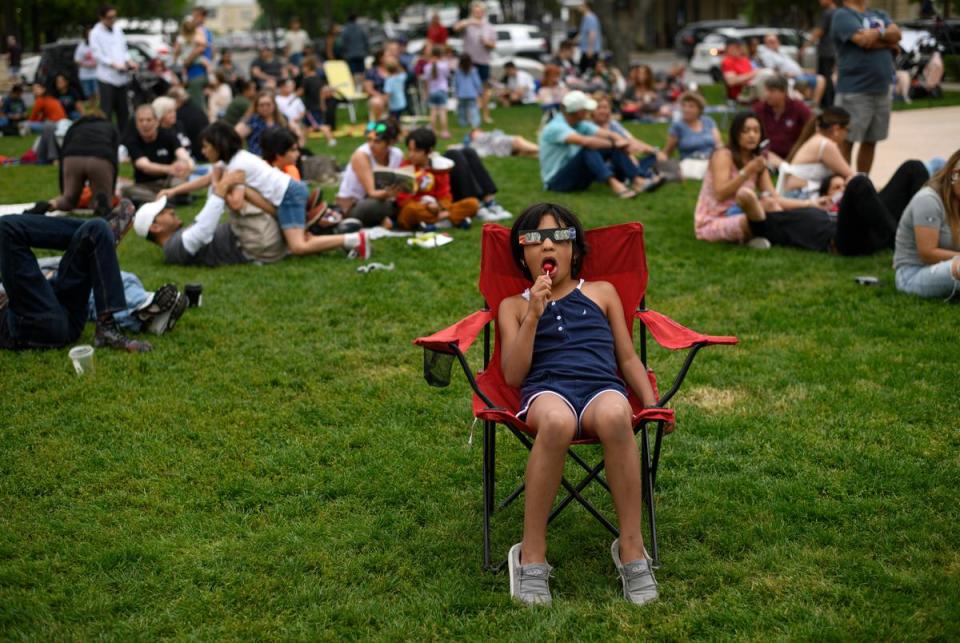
(146, 214)
(576, 101)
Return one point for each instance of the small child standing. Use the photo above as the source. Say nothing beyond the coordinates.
(437, 74)
(395, 87)
(468, 87)
(563, 341)
(432, 200)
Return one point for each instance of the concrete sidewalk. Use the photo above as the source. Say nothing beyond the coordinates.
(916, 134)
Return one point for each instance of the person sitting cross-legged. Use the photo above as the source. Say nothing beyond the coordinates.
(159, 160)
(574, 152)
(37, 313)
(431, 202)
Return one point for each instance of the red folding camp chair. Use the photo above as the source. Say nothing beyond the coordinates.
(616, 255)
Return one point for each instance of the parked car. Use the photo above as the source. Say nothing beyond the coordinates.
(513, 41)
(57, 57)
(708, 54)
(694, 32)
(946, 32)
(153, 44)
(520, 40)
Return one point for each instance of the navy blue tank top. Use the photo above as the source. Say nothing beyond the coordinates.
(574, 343)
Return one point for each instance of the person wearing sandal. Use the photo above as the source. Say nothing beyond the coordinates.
(574, 152)
(643, 155)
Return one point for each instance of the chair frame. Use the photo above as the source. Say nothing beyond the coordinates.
(667, 332)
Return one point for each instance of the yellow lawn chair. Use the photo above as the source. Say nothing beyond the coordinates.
(340, 79)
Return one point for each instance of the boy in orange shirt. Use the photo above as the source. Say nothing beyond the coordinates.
(432, 202)
(45, 108)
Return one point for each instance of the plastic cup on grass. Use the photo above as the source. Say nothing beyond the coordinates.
(82, 358)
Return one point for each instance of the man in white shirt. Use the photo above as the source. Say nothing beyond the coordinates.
(518, 86)
(114, 65)
(294, 41)
(774, 59)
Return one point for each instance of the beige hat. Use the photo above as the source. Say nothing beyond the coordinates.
(577, 101)
(146, 214)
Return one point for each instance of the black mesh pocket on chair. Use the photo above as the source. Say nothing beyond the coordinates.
(436, 367)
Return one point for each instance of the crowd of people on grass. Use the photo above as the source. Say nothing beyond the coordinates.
(784, 176)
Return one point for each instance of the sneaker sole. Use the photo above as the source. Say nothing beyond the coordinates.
(179, 307)
(513, 575)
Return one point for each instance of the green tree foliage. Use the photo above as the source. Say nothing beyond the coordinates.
(36, 22)
(316, 16)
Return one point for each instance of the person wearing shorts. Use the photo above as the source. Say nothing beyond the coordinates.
(863, 39)
(926, 254)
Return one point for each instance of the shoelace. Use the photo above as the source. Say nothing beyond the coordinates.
(639, 578)
(534, 581)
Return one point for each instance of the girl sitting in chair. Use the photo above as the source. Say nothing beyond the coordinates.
(563, 340)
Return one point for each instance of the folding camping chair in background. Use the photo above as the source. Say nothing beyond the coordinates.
(616, 255)
(340, 78)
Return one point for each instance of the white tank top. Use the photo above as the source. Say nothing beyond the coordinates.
(350, 185)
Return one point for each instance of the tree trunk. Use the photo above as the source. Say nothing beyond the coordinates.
(625, 25)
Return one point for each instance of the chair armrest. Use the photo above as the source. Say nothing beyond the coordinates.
(460, 335)
(673, 336)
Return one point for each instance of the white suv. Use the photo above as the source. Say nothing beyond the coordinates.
(520, 40)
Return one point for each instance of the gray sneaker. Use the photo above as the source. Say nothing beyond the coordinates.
(529, 584)
(639, 585)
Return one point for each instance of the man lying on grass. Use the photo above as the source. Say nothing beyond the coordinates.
(251, 235)
(37, 313)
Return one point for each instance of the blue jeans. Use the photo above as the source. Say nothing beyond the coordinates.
(50, 314)
(134, 293)
(588, 166)
(467, 112)
(292, 212)
(934, 280)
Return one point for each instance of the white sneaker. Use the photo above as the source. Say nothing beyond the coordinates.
(499, 211)
(363, 249)
(759, 243)
(486, 215)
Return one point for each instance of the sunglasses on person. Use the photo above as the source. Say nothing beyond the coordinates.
(376, 128)
(557, 235)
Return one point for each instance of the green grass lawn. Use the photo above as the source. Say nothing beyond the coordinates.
(277, 467)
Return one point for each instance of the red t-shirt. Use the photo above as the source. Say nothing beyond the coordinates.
(738, 66)
(782, 132)
(437, 34)
(47, 108)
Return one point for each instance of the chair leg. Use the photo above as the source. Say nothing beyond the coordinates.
(352, 111)
(489, 468)
(646, 474)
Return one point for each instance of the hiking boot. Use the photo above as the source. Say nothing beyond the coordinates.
(40, 207)
(529, 584)
(163, 300)
(363, 249)
(101, 205)
(121, 219)
(108, 335)
(165, 321)
(639, 585)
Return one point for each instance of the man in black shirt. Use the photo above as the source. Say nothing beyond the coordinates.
(266, 69)
(191, 120)
(826, 53)
(159, 161)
